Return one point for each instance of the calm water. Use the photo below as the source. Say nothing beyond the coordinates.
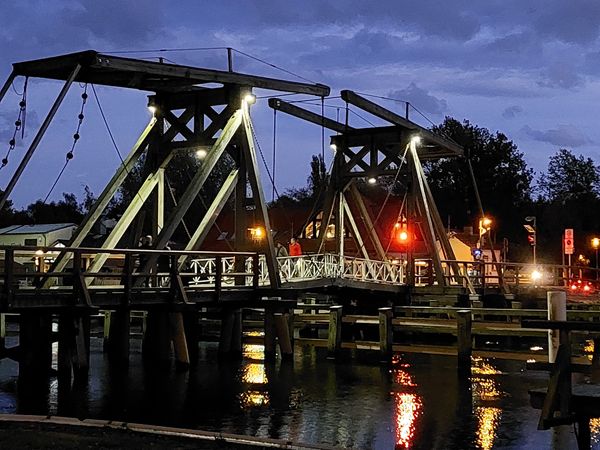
(419, 402)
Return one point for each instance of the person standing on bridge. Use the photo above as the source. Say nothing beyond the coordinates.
(295, 248)
(281, 251)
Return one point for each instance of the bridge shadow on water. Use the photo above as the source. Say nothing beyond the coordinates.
(418, 401)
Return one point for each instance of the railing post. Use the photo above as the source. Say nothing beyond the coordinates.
(127, 280)
(386, 333)
(9, 258)
(218, 276)
(334, 341)
(256, 270)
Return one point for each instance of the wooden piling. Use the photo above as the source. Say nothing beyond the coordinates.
(35, 342)
(156, 347)
(386, 333)
(192, 335)
(180, 347)
(2, 331)
(236, 334)
(283, 335)
(73, 347)
(334, 341)
(118, 337)
(227, 319)
(464, 338)
(557, 310)
(269, 335)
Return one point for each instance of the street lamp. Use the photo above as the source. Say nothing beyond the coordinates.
(485, 224)
(532, 230)
(595, 245)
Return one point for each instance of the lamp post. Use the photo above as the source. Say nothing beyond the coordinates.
(485, 224)
(595, 245)
(532, 230)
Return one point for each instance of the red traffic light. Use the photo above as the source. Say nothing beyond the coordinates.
(403, 236)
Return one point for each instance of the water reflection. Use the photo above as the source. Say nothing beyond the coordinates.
(408, 405)
(253, 376)
(486, 392)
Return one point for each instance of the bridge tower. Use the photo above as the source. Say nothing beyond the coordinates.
(373, 152)
(195, 110)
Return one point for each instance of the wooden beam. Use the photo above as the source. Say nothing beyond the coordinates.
(212, 213)
(259, 196)
(426, 214)
(128, 216)
(195, 185)
(371, 231)
(39, 135)
(355, 231)
(104, 199)
(392, 117)
(309, 116)
(125, 72)
(7, 85)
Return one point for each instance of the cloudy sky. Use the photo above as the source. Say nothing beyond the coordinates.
(529, 69)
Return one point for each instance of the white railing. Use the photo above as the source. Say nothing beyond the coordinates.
(302, 268)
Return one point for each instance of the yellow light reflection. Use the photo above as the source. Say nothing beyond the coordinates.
(254, 351)
(254, 373)
(482, 367)
(595, 430)
(250, 399)
(588, 348)
(488, 419)
(486, 389)
(408, 408)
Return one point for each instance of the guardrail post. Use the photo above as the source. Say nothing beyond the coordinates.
(386, 333)
(9, 259)
(218, 276)
(557, 310)
(334, 341)
(464, 339)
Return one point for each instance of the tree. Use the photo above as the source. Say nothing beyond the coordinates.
(313, 192)
(569, 178)
(500, 171)
(569, 198)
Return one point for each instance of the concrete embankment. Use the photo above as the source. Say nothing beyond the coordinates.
(52, 432)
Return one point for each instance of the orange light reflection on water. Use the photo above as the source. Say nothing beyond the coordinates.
(408, 406)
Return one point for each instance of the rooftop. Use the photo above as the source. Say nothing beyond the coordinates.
(34, 229)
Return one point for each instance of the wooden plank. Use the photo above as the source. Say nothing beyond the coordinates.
(452, 148)
(309, 116)
(122, 72)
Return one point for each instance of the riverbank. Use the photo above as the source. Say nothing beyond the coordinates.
(51, 432)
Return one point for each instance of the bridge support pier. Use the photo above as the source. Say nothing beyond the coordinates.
(386, 333)
(117, 341)
(192, 335)
(282, 327)
(35, 345)
(278, 329)
(73, 347)
(464, 340)
(2, 332)
(334, 339)
(230, 339)
(156, 346)
(180, 345)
